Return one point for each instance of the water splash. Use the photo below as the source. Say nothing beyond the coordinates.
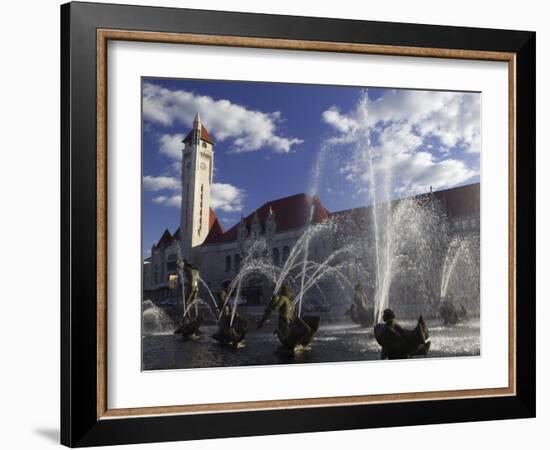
(299, 271)
(302, 273)
(460, 274)
(401, 239)
(315, 272)
(458, 249)
(255, 261)
(213, 306)
(155, 320)
(180, 269)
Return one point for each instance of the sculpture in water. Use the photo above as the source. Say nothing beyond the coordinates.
(398, 343)
(360, 311)
(232, 327)
(451, 313)
(293, 331)
(189, 276)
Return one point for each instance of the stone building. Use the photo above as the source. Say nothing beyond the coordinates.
(279, 223)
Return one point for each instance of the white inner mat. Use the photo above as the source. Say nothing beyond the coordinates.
(129, 387)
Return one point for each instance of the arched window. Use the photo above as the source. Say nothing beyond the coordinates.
(228, 263)
(237, 262)
(286, 253)
(276, 256)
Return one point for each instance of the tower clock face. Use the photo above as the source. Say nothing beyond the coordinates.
(203, 166)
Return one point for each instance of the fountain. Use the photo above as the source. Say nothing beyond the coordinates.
(402, 239)
(459, 273)
(305, 274)
(402, 247)
(457, 249)
(299, 272)
(360, 311)
(155, 320)
(231, 327)
(190, 318)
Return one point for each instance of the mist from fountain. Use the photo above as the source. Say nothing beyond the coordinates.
(300, 272)
(402, 239)
(254, 262)
(195, 303)
(457, 250)
(155, 320)
(460, 274)
(214, 305)
(314, 272)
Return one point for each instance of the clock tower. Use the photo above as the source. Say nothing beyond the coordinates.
(196, 183)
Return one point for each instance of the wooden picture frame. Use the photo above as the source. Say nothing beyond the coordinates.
(86, 418)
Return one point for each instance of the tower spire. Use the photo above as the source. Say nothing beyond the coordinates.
(197, 128)
(197, 122)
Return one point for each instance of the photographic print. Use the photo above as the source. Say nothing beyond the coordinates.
(304, 202)
(293, 223)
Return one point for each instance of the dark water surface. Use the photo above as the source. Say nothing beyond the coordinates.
(333, 343)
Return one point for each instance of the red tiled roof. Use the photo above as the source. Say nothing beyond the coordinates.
(290, 212)
(204, 136)
(458, 201)
(214, 226)
(212, 219)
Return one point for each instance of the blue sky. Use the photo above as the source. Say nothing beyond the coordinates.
(269, 138)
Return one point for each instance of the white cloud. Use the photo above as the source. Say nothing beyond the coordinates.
(173, 201)
(226, 197)
(420, 171)
(160, 183)
(247, 130)
(341, 122)
(227, 221)
(407, 138)
(223, 196)
(451, 117)
(171, 145)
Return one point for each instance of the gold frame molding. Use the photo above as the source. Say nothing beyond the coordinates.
(104, 35)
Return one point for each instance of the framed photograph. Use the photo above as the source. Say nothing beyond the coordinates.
(277, 224)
